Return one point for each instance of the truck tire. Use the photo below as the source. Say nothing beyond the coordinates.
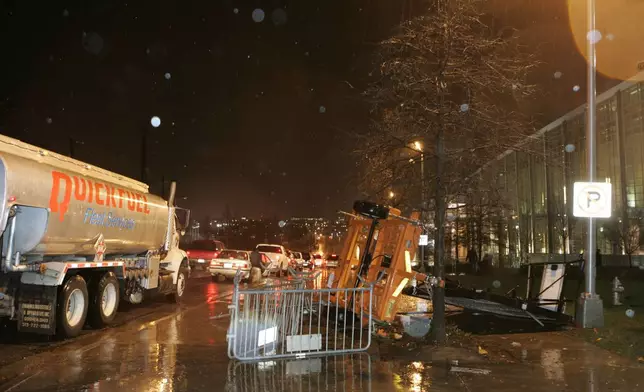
(71, 311)
(179, 290)
(104, 301)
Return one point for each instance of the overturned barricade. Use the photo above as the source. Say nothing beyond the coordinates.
(291, 319)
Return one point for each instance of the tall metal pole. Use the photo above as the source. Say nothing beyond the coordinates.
(591, 146)
(423, 203)
(590, 310)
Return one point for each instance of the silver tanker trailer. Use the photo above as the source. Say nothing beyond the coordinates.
(77, 239)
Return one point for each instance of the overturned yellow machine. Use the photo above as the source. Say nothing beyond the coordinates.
(378, 248)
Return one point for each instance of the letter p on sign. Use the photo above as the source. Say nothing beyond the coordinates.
(592, 200)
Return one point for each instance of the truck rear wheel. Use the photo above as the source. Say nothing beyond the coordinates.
(71, 311)
(182, 279)
(104, 301)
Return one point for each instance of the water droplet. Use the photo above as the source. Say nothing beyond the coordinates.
(279, 17)
(558, 75)
(570, 148)
(576, 88)
(630, 313)
(282, 224)
(236, 10)
(155, 121)
(65, 13)
(594, 36)
(167, 76)
(92, 43)
(322, 109)
(49, 120)
(610, 36)
(496, 284)
(258, 15)
(465, 107)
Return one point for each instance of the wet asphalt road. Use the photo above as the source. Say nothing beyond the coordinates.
(160, 347)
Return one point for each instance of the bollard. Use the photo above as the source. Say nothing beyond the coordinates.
(618, 289)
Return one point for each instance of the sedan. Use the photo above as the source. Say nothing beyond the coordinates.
(228, 262)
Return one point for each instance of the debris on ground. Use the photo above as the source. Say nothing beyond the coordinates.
(516, 344)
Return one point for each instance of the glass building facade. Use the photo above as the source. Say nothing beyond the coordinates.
(537, 180)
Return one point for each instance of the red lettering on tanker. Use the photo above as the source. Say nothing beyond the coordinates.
(64, 187)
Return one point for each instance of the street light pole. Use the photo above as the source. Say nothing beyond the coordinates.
(590, 309)
(423, 202)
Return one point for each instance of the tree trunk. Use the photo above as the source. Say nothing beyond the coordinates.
(438, 298)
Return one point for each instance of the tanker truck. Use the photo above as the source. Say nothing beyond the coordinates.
(76, 240)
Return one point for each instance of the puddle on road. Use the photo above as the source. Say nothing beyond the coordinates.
(337, 373)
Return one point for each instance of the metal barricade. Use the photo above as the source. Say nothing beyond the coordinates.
(293, 321)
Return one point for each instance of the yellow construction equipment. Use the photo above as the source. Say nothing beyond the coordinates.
(379, 247)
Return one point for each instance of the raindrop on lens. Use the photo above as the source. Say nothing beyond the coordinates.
(282, 223)
(236, 10)
(279, 17)
(465, 107)
(258, 15)
(49, 120)
(167, 76)
(65, 13)
(558, 75)
(93, 43)
(594, 36)
(496, 284)
(570, 148)
(576, 88)
(155, 121)
(630, 313)
(322, 109)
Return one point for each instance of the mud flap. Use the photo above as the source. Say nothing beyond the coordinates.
(37, 309)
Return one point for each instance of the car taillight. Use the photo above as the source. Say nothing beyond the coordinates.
(188, 253)
(216, 255)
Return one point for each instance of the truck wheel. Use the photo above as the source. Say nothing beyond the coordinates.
(104, 301)
(179, 290)
(71, 311)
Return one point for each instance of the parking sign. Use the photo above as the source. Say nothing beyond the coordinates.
(592, 200)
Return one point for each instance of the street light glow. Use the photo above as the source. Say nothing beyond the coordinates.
(391, 194)
(418, 146)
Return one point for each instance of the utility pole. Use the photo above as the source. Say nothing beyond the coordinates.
(590, 308)
(144, 155)
(72, 145)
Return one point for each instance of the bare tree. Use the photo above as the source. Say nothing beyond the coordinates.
(626, 233)
(451, 82)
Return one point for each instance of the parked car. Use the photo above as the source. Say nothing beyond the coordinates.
(307, 260)
(228, 262)
(277, 255)
(299, 260)
(332, 260)
(317, 260)
(201, 252)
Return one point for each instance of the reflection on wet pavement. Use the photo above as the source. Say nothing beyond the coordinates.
(186, 351)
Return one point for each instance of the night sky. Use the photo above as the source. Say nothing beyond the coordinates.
(257, 116)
